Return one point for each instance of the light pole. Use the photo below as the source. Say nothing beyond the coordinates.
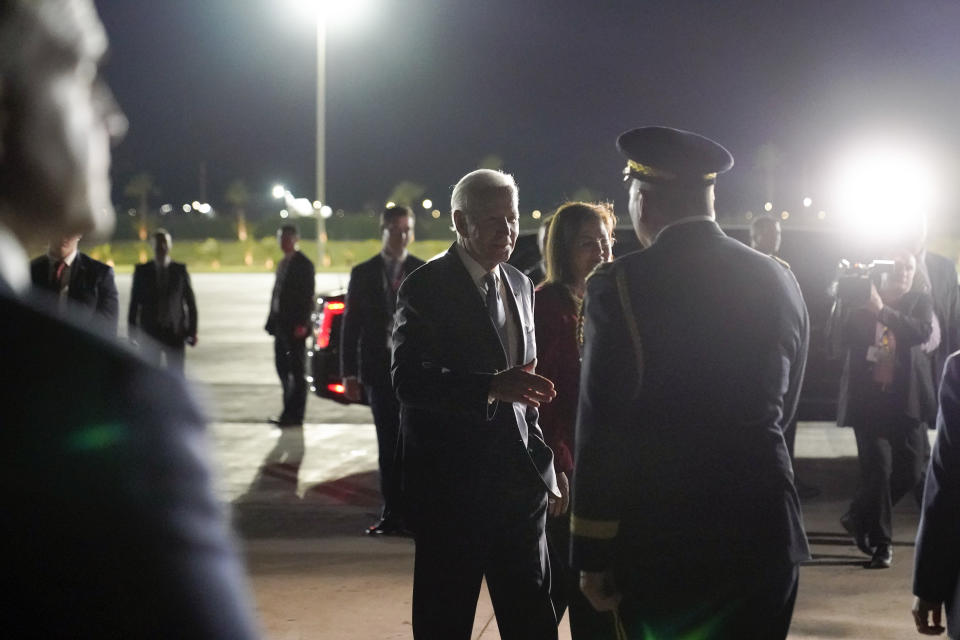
(321, 135)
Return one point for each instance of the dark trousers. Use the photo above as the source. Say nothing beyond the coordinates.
(585, 621)
(891, 453)
(290, 356)
(452, 560)
(165, 353)
(386, 418)
(733, 602)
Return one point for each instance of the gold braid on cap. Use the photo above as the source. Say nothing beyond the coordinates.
(645, 172)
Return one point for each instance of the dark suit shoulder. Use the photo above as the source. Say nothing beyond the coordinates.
(372, 263)
(93, 264)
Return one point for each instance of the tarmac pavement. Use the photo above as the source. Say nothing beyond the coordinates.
(301, 498)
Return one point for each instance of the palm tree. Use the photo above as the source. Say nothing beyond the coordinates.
(238, 195)
(141, 187)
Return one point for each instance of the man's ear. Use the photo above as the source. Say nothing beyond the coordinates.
(460, 222)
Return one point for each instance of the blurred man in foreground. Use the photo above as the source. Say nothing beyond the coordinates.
(365, 347)
(685, 518)
(77, 279)
(476, 471)
(163, 308)
(109, 517)
(936, 572)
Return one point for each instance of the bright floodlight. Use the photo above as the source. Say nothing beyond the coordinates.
(807, 201)
(326, 211)
(278, 191)
(768, 206)
(391, 204)
(884, 190)
(427, 203)
(330, 11)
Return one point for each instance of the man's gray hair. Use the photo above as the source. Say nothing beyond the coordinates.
(475, 188)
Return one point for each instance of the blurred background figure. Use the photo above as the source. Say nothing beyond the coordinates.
(289, 323)
(765, 237)
(162, 306)
(108, 505)
(580, 237)
(936, 571)
(538, 270)
(886, 395)
(365, 349)
(77, 279)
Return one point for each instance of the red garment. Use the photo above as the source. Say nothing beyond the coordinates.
(558, 358)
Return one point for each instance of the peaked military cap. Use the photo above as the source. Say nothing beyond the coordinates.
(661, 155)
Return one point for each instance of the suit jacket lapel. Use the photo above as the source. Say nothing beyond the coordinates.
(516, 303)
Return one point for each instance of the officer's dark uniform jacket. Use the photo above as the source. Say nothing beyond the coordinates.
(694, 355)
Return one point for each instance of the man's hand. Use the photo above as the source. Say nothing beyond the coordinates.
(927, 617)
(192, 340)
(300, 331)
(521, 384)
(351, 389)
(600, 590)
(558, 506)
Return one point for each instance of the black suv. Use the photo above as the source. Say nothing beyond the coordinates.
(813, 255)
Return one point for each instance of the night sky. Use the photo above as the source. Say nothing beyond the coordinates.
(422, 90)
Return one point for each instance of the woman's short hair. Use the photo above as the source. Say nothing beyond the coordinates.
(564, 227)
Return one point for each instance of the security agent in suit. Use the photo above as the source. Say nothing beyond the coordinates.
(289, 323)
(936, 572)
(476, 471)
(162, 306)
(109, 512)
(365, 350)
(685, 518)
(78, 279)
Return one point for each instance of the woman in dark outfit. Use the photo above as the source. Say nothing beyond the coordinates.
(579, 238)
(886, 394)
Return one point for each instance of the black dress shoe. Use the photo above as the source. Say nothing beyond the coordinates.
(859, 536)
(882, 557)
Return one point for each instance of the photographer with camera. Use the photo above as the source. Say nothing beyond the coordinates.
(886, 392)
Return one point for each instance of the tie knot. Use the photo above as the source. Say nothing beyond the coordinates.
(490, 282)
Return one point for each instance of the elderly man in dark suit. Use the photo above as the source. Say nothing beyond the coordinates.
(289, 323)
(365, 349)
(162, 306)
(685, 518)
(476, 471)
(77, 279)
(936, 571)
(108, 507)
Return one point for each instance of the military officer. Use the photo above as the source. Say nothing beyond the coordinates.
(685, 517)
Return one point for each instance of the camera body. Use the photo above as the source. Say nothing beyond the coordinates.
(855, 279)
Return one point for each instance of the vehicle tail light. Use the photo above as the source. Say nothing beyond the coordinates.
(336, 387)
(330, 309)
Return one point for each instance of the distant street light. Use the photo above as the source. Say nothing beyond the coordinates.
(807, 201)
(324, 12)
(427, 203)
